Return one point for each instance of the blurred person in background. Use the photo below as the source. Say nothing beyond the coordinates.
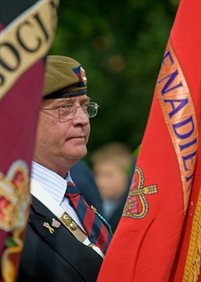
(111, 165)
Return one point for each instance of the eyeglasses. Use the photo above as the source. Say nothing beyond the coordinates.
(67, 111)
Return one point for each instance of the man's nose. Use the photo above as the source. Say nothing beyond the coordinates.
(81, 115)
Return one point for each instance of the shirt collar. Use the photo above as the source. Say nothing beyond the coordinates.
(53, 183)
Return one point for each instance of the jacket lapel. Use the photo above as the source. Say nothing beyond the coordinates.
(61, 240)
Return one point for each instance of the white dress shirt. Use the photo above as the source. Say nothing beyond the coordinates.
(55, 186)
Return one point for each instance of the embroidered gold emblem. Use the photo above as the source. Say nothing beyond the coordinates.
(14, 196)
(137, 205)
(14, 204)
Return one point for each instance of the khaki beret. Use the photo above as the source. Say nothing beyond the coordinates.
(64, 78)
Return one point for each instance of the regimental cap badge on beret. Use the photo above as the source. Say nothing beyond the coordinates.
(64, 78)
(81, 74)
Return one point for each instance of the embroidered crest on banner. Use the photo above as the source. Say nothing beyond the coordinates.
(137, 204)
(13, 196)
(14, 203)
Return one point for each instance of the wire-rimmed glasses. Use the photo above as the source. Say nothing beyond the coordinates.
(67, 111)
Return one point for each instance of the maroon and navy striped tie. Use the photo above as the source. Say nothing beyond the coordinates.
(97, 231)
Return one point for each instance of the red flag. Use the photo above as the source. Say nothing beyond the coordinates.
(159, 235)
(27, 30)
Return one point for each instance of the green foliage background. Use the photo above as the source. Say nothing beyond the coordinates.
(120, 44)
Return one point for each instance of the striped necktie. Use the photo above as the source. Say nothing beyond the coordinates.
(94, 223)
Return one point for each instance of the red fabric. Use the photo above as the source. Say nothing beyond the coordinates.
(151, 244)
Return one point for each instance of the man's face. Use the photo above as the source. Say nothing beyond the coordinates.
(59, 144)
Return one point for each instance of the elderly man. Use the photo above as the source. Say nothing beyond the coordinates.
(66, 238)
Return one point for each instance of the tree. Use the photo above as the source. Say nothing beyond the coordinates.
(120, 44)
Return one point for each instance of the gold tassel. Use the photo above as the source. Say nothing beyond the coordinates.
(193, 260)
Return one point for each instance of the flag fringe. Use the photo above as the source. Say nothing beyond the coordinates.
(193, 260)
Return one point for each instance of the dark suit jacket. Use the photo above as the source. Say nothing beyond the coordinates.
(57, 257)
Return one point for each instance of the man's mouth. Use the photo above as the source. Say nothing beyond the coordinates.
(77, 137)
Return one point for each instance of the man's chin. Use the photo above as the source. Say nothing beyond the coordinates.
(79, 154)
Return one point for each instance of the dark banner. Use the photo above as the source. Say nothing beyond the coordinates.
(27, 30)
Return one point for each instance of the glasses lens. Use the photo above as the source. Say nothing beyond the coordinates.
(66, 110)
(92, 109)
